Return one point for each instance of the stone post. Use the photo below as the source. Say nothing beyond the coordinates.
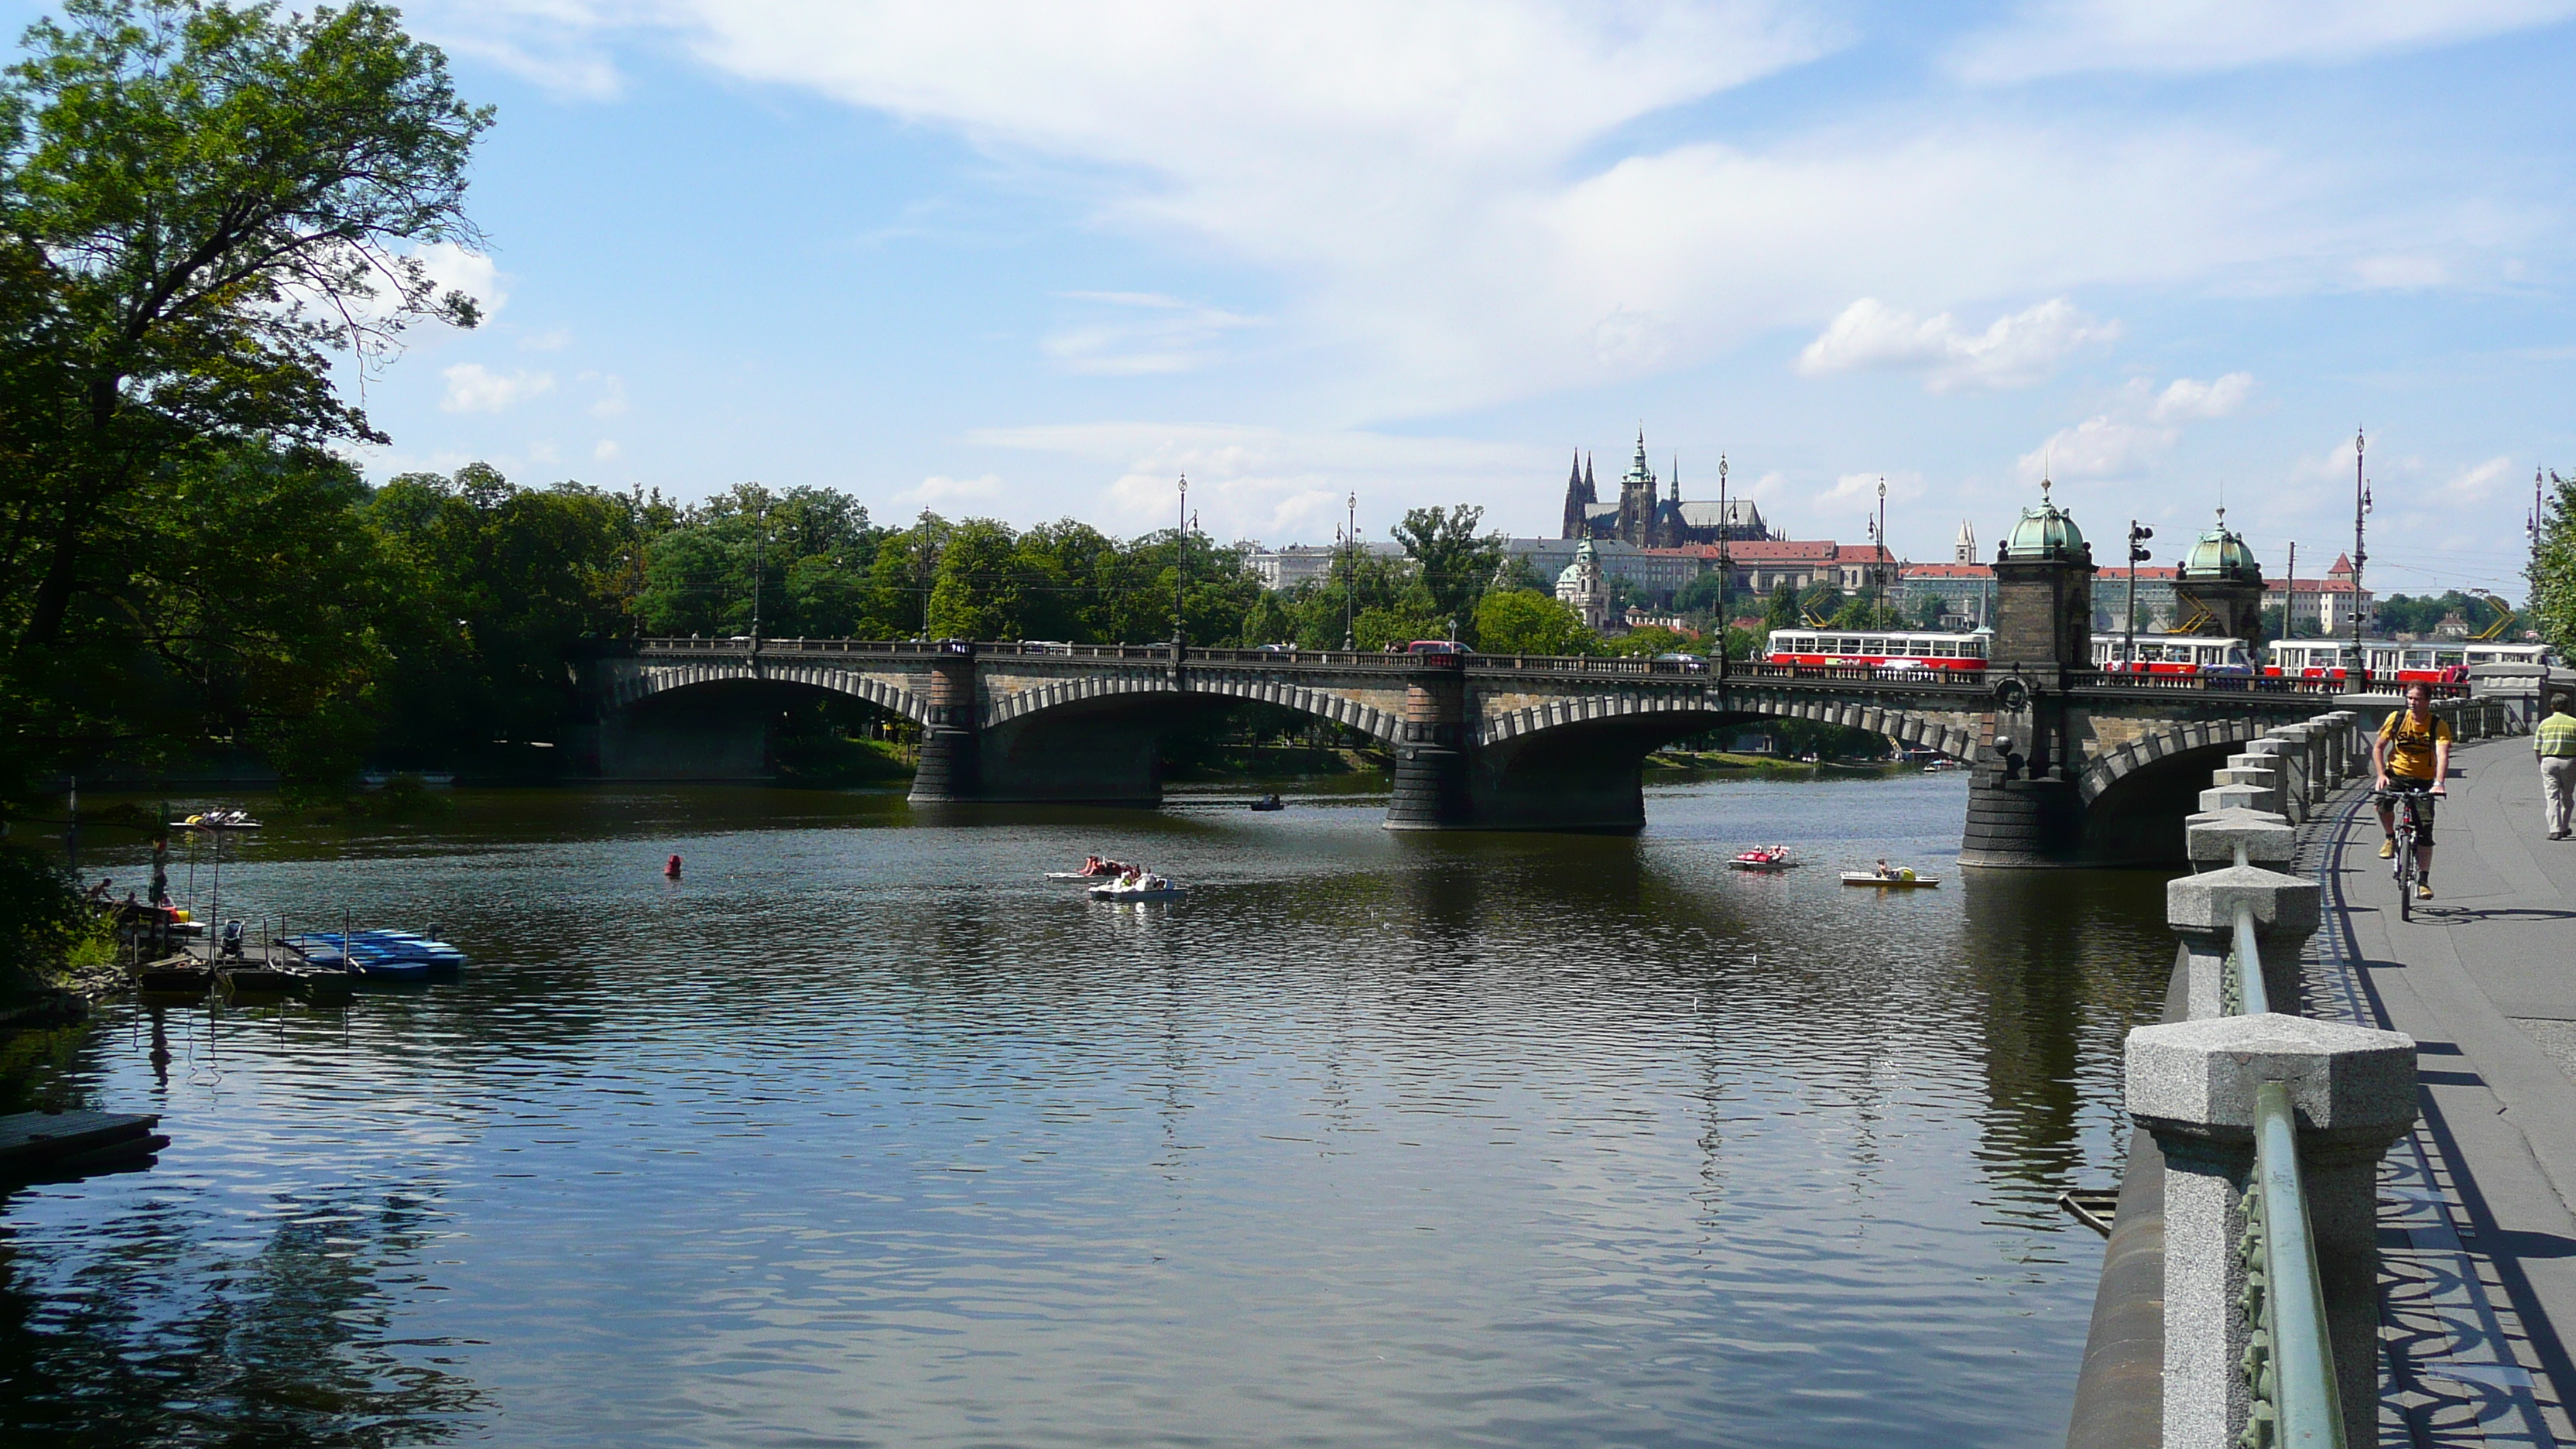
(2297, 756)
(1429, 789)
(2258, 769)
(2192, 1084)
(2201, 909)
(951, 751)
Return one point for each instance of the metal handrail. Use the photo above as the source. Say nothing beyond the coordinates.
(2245, 967)
(2290, 1361)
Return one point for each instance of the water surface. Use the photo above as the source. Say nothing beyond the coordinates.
(862, 1133)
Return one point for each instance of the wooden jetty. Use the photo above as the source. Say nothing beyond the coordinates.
(48, 1144)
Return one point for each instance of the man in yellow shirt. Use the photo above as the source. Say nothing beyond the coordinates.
(2554, 741)
(2412, 753)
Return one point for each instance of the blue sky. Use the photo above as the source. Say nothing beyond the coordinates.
(1037, 260)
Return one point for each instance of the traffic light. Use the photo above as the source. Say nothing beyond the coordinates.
(2138, 535)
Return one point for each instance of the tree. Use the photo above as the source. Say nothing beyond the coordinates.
(1525, 621)
(1455, 563)
(1929, 613)
(982, 587)
(207, 201)
(2553, 569)
(1781, 610)
(198, 207)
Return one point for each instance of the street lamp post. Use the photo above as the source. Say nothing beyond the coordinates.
(1181, 572)
(759, 561)
(1878, 565)
(1350, 576)
(1725, 564)
(2359, 669)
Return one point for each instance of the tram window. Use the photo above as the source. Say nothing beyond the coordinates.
(2450, 657)
(1873, 646)
(1944, 649)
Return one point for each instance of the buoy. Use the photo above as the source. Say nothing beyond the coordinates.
(671, 868)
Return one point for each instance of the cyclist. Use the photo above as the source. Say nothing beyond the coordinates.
(2413, 754)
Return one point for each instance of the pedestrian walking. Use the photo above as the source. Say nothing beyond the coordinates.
(2554, 741)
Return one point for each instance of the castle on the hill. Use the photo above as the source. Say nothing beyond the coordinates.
(1645, 518)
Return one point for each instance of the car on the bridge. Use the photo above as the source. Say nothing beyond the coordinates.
(1437, 646)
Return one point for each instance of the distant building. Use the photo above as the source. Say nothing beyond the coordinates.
(2324, 606)
(1582, 586)
(1966, 591)
(1283, 569)
(1642, 517)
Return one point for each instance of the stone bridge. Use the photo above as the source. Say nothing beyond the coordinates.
(2071, 766)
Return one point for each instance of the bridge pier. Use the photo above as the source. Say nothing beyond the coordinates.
(1430, 778)
(950, 766)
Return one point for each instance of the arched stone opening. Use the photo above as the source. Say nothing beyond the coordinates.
(722, 727)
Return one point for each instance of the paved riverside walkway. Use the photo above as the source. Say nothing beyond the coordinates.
(2478, 1209)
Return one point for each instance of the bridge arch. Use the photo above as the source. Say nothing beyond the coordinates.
(633, 683)
(1143, 687)
(2164, 749)
(1949, 732)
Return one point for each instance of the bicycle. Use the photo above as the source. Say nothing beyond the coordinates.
(2406, 832)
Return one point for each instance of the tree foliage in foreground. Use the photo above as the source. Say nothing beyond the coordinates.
(2553, 569)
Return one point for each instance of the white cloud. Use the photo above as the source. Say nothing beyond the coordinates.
(1133, 334)
(555, 340)
(2400, 273)
(941, 492)
(455, 269)
(1855, 496)
(2053, 37)
(612, 394)
(474, 388)
(1275, 484)
(2141, 425)
(2185, 398)
(607, 450)
(1447, 189)
(2476, 484)
(2013, 351)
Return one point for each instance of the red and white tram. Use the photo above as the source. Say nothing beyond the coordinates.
(2434, 661)
(2170, 654)
(1890, 649)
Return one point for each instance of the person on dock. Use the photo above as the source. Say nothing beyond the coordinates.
(2554, 741)
(2412, 754)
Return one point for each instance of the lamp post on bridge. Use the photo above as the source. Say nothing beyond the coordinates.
(1725, 564)
(1351, 576)
(2359, 670)
(1181, 573)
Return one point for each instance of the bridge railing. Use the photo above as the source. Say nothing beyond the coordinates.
(1549, 665)
(2238, 1307)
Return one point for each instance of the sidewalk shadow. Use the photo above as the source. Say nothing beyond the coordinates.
(2485, 913)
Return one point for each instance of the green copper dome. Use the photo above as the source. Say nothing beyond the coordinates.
(2220, 554)
(2044, 533)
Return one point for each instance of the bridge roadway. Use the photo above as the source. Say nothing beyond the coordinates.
(2072, 766)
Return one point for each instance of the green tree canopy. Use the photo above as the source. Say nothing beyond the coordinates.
(2553, 569)
(1454, 563)
(1525, 621)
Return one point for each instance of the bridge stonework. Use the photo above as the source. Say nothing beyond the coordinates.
(2069, 768)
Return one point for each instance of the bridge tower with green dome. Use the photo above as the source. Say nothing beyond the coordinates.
(2220, 587)
(2025, 808)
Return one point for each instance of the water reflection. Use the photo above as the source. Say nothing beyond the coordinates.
(179, 1331)
(864, 1132)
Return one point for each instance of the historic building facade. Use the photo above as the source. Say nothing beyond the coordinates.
(1643, 517)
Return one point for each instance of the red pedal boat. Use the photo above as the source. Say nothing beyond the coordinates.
(1768, 859)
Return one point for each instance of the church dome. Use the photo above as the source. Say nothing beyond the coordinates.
(2045, 533)
(2220, 554)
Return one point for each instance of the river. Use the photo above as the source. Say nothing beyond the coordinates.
(863, 1133)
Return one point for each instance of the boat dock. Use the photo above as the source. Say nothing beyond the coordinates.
(47, 1144)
